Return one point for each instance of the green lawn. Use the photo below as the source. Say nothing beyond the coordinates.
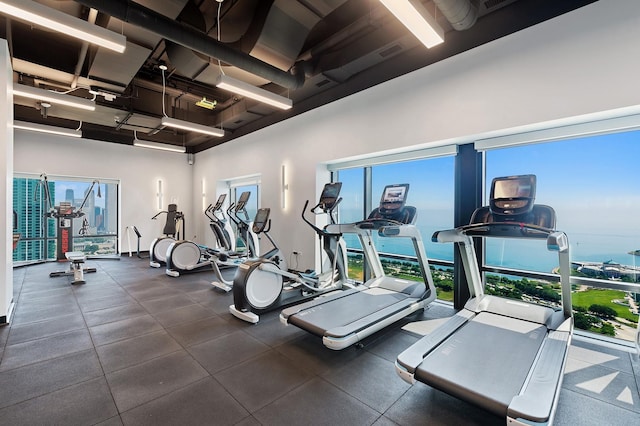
(603, 297)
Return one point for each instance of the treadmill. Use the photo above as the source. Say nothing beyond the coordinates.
(346, 317)
(506, 356)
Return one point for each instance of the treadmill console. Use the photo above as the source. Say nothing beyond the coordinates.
(512, 196)
(393, 198)
(329, 196)
(261, 219)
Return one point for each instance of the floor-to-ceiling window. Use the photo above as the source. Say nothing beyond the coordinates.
(91, 216)
(431, 190)
(592, 184)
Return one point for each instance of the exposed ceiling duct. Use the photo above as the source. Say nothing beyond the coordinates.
(199, 41)
(461, 14)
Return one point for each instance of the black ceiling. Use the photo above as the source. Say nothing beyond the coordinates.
(325, 49)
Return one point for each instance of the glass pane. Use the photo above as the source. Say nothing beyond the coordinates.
(28, 220)
(351, 209)
(431, 191)
(251, 209)
(93, 229)
(592, 185)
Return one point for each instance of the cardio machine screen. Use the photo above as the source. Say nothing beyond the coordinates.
(330, 194)
(221, 199)
(260, 221)
(394, 196)
(242, 201)
(513, 194)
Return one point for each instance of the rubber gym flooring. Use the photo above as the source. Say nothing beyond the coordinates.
(133, 346)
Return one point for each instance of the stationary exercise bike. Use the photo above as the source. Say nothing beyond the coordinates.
(261, 226)
(261, 285)
(159, 246)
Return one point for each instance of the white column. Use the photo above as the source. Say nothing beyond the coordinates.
(6, 184)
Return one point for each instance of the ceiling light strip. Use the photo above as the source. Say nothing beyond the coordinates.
(43, 128)
(417, 19)
(245, 89)
(56, 20)
(160, 146)
(53, 97)
(192, 127)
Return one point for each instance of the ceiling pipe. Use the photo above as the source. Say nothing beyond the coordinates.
(135, 14)
(461, 14)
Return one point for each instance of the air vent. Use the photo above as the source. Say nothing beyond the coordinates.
(492, 4)
(390, 50)
(323, 82)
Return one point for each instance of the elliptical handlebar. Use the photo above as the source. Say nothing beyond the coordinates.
(329, 211)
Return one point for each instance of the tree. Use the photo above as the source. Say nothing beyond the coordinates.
(603, 311)
(607, 329)
(584, 321)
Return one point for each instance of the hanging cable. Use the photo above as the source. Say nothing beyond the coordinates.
(163, 68)
(218, 25)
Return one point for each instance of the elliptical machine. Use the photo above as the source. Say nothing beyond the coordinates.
(261, 226)
(220, 225)
(261, 285)
(159, 246)
(184, 256)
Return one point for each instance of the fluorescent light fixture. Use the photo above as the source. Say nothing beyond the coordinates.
(39, 14)
(160, 146)
(416, 18)
(245, 89)
(53, 97)
(43, 128)
(192, 127)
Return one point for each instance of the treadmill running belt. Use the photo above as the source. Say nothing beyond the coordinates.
(486, 362)
(343, 311)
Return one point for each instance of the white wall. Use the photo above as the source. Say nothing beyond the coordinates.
(584, 62)
(138, 170)
(6, 184)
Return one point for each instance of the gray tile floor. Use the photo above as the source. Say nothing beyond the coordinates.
(135, 347)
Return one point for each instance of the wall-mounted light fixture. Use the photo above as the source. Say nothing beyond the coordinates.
(204, 195)
(39, 14)
(245, 89)
(156, 145)
(53, 97)
(159, 194)
(417, 19)
(43, 128)
(284, 185)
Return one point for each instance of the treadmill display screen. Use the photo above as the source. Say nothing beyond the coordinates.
(260, 221)
(330, 194)
(513, 195)
(394, 197)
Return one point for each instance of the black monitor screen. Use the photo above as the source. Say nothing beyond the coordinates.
(221, 199)
(394, 196)
(516, 187)
(242, 201)
(330, 194)
(260, 221)
(513, 195)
